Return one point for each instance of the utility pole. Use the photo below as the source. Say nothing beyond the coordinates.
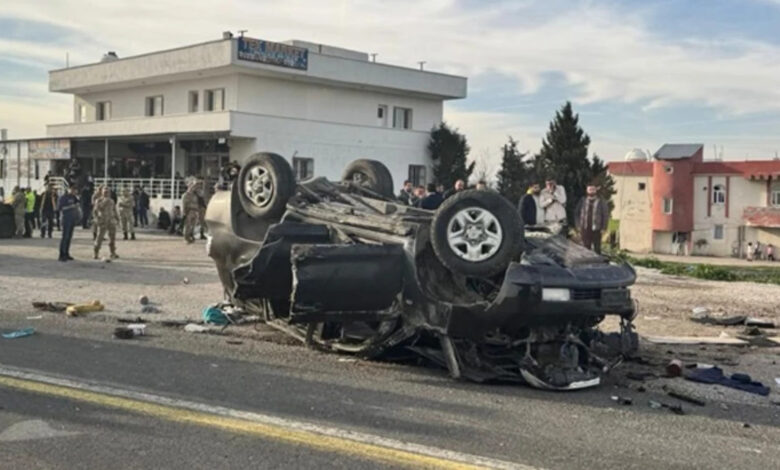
(422, 64)
(373, 56)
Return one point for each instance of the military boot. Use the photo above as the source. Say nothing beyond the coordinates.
(125, 235)
(132, 235)
(96, 254)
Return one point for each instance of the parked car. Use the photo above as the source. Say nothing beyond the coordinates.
(343, 266)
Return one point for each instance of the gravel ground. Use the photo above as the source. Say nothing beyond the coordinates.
(156, 265)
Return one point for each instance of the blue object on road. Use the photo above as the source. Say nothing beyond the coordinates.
(215, 316)
(19, 333)
(714, 375)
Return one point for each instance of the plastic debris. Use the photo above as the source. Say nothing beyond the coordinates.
(77, 309)
(149, 309)
(622, 400)
(51, 306)
(35, 317)
(185, 280)
(123, 332)
(674, 368)
(139, 329)
(739, 381)
(195, 328)
(214, 315)
(19, 333)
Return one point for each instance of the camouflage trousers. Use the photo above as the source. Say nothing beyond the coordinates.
(126, 219)
(102, 230)
(190, 220)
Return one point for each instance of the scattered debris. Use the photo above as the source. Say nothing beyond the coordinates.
(174, 323)
(745, 425)
(143, 300)
(674, 368)
(650, 318)
(185, 281)
(139, 329)
(684, 396)
(19, 333)
(750, 321)
(693, 340)
(35, 317)
(705, 318)
(123, 332)
(195, 328)
(700, 311)
(51, 306)
(739, 381)
(234, 341)
(777, 381)
(130, 320)
(622, 400)
(676, 409)
(149, 309)
(639, 376)
(214, 315)
(77, 309)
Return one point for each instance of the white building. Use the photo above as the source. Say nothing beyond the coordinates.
(187, 111)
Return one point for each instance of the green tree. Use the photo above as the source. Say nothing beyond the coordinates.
(516, 174)
(564, 157)
(449, 149)
(600, 177)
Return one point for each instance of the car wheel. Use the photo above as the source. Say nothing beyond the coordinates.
(476, 233)
(265, 184)
(371, 174)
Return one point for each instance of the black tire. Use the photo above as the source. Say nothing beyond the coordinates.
(265, 184)
(371, 174)
(504, 215)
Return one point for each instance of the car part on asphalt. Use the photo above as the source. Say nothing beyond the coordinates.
(344, 267)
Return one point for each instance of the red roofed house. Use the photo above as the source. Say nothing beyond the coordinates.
(676, 201)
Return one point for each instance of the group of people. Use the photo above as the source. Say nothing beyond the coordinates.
(539, 207)
(34, 210)
(759, 251)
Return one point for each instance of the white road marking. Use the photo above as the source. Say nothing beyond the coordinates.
(265, 419)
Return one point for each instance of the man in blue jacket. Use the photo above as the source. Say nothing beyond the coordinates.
(70, 208)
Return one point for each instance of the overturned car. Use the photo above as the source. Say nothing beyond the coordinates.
(345, 267)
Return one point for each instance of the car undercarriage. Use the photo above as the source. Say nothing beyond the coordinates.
(343, 266)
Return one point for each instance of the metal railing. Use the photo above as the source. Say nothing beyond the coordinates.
(154, 187)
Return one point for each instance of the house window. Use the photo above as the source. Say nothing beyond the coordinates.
(303, 168)
(718, 194)
(668, 205)
(717, 232)
(215, 100)
(81, 113)
(103, 111)
(402, 118)
(641, 186)
(193, 101)
(381, 115)
(417, 175)
(154, 105)
(776, 198)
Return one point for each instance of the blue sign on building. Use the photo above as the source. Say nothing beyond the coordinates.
(273, 53)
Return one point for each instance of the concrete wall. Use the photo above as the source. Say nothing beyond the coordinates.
(19, 169)
(174, 124)
(285, 98)
(633, 208)
(332, 146)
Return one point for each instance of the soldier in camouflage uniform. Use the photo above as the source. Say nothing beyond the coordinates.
(106, 218)
(191, 210)
(95, 196)
(125, 204)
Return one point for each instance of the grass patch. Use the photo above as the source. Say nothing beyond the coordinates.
(760, 274)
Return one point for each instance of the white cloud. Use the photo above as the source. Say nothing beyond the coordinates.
(605, 55)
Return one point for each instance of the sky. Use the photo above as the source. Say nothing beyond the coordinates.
(640, 73)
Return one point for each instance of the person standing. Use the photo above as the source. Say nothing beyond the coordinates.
(87, 202)
(143, 207)
(406, 196)
(592, 218)
(530, 207)
(95, 196)
(69, 207)
(432, 199)
(201, 210)
(125, 204)
(553, 201)
(48, 208)
(19, 203)
(190, 205)
(749, 250)
(770, 252)
(106, 218)
(459, 186)
(29, 212)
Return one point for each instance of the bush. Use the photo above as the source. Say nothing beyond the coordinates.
(649, 262)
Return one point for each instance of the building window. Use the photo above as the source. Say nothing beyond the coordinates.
(103, 111)
(718, 194)
(154, 105)
(717, 232)
(381, 115)
(417, 175)
(81, 113)
(193, 101)
(776, 197)
(215, 100)
(641, 186)
(402, 118)
(669, 169)
(303, 168)
(668, 205)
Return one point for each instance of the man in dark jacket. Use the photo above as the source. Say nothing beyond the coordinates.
(68, 205)
(592, 218)
(432, 199)
(48, 208)
(86, 204)
(530, 210)
(143, 208)
(459, 186)
(406, 196)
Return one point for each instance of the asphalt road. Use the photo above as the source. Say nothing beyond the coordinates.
(410, 405)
